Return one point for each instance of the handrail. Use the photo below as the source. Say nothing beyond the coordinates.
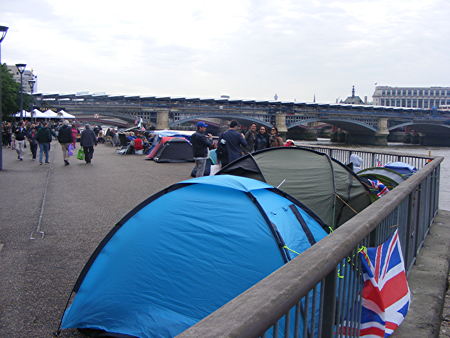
(364, 150)
(257, 309)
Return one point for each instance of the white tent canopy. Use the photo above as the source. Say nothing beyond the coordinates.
(50, 114)
(37, 114)
(65, 115)
(25, 114)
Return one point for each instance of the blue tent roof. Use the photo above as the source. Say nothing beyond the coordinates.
(186, 251)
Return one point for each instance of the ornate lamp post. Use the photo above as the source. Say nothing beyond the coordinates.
(21, 69)
(3, 30)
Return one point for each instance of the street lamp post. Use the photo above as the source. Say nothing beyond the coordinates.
(3, 30)
(21, 69)
(31, 82)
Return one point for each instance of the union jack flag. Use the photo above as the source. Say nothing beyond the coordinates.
(380, 187)
(385, 295)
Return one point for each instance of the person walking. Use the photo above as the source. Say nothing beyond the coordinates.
(44, 137)
(20, 133)
(262, 139)
(87, 141)
(233, 140)
(200, 145)
(250, 138)
(75, 133)
(65, 139)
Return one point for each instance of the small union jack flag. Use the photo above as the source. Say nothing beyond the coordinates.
(379, 186)
(385, 295)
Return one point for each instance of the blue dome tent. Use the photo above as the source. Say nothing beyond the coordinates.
(186, 251)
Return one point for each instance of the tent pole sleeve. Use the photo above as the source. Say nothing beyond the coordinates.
(272, 227)
(302, 222)
(330, 162)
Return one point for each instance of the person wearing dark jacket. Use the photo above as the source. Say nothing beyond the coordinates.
(87, 141)
(250, 137)
(200, 144)
(31, 136)
(233, 141)
(65, 139)
(44, 137)
(262, 139)
(20, 133)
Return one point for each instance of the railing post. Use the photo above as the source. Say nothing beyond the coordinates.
(329, 305)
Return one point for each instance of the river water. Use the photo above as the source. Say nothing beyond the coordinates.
(444, 190)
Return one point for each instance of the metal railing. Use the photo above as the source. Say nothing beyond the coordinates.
(370, 158)
(318, 293)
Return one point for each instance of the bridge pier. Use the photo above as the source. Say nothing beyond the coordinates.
(162, 119)
(377, 139)
(280, 123)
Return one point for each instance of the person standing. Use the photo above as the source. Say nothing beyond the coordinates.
(200, 145)
(44, 137)
(87, 141)
(233, 141)
(65, 139)
(31, 136)
(262, 139)
(250, 137)
(20, 133)
(275, 139)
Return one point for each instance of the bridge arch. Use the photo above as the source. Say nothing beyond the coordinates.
(423, 126)
(220, 116)
(349, 125)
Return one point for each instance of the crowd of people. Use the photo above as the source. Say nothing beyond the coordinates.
(16, 135)
(232, 143)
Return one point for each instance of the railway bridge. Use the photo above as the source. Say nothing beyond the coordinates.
(363, 124)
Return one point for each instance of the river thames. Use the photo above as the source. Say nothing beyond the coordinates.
(444, 191)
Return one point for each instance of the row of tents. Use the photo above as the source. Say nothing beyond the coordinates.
(48, 114)
(194, 246)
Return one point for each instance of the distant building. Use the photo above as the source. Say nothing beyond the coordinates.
(29, 79)
(412, 97)
(354, 99)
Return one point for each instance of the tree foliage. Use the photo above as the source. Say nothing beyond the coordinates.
(11, 94)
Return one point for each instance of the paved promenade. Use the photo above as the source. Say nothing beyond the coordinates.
(82, 203)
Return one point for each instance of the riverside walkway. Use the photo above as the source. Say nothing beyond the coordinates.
(82, 203)
(52, 217)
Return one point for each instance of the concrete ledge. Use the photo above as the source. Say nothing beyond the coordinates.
(428, 282)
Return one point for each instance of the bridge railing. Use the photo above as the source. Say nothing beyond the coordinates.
(318, 293)
(371, 158)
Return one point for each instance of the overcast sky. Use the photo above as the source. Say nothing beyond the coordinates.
(243, 48)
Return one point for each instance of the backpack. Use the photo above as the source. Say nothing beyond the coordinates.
(222, 153)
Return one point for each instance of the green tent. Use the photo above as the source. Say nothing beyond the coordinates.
(390, 178)
(326, 186)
